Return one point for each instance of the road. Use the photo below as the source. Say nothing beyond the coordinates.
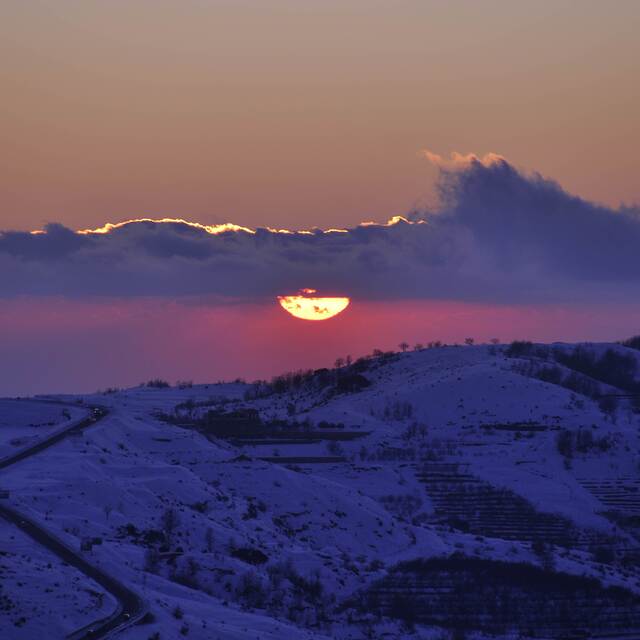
(97, 413)
(130, 606)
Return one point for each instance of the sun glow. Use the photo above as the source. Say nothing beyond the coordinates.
(309, 307)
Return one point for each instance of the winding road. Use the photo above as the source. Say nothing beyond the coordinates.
(130, 607)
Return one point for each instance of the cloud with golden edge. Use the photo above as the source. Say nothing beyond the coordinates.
(227, 226)
(212, 229)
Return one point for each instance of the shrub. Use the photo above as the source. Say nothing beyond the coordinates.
(604, 555)
(552, 374)
(147, 618)
(564, 443)
(580, 441)
(576, 381)
(581, 384)
(538, 547)
(200, 506)
(404, 506)
(345, 378)
(584, 440)
(608, 405)
(151, 560)
(492, 597)
(249, 555)
(335, 448)
(632, 343)
(403, 608)
(178, 613)
(188, 576)
(169, 522)
(157, 383)
(398, 411)
(414, 431)
(519, 348)
(613, 368)
(351, 383)
(251, 591)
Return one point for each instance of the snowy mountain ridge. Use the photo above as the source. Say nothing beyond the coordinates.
(368, 500)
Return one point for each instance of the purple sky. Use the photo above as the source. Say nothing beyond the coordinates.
(506, 254)
(57, 344)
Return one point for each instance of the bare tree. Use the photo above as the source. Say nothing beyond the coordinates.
(151, 560)
(469, 341)
(169, 522)
(609, 406)
(208, 539)
(335, 448)
(339, 363)
(403, 346)
(418, 346)
(192, 567)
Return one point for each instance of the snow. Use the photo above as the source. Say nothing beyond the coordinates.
(40, 596)
(23, 422)
(340, 522)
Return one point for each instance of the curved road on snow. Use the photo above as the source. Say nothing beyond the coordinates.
(130, 606)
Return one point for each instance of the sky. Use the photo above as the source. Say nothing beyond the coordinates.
(299, 114)
(458, 169)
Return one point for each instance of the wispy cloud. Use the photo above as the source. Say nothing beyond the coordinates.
(461, 161)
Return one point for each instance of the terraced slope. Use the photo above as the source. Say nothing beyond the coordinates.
(620, 494)
(470, 504)
(497, 597)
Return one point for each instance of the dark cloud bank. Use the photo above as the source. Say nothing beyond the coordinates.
(498, 236)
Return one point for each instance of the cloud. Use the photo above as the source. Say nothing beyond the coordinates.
(461, 161)
(499, 235)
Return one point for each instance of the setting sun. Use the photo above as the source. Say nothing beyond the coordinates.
(309, 307)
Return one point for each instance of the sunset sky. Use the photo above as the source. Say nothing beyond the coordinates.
(289, 113)
(277, 114)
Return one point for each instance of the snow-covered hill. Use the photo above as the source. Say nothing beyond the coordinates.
(290, 509)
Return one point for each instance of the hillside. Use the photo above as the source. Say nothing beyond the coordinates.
(449, 491)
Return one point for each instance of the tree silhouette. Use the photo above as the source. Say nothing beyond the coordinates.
(403, 346)
(208, 539)
(169, 522)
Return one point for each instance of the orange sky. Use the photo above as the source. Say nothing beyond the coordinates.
(293, 114)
